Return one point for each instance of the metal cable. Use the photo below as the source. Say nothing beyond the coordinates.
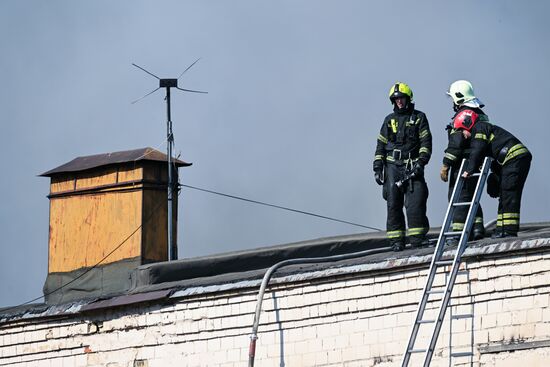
(281, 207)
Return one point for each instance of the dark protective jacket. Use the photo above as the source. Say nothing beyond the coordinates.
(457, 148)
(493, 141)
(511, 164)
(404, 137)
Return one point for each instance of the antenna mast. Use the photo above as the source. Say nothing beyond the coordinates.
(169, 83)
(172, 247)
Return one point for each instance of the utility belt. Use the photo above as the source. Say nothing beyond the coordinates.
(400, 157)
(510, 152)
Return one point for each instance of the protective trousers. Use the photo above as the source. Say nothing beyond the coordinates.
(413, 195)
(512, 179)
(467, 194)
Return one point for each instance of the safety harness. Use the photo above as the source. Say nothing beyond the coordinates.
(400, 156)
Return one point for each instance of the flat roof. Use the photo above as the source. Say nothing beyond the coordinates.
(243, 270)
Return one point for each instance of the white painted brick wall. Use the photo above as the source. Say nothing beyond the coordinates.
(360, 320)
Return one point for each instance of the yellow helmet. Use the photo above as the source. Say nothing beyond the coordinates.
(400, 90)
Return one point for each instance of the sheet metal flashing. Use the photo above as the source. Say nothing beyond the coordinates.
(40, 311)
(93, 161)
(126, 300)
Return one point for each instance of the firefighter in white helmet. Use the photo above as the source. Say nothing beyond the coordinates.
(458, 148)
(512, 159)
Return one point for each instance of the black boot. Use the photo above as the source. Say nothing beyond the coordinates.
(504, 234)
(397, 246)
(419, 241)
(478, 232)
(497, 233)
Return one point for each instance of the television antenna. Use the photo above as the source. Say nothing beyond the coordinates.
(167, 84)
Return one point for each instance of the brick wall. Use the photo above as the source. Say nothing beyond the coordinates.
(349, 319)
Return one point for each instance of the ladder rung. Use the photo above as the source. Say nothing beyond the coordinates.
(462, 354)
(417, 350)
(464, 316)
(466, 203)
(444, 262)
(425, 321)
(452, 233)
(438, 291)
(475, 174)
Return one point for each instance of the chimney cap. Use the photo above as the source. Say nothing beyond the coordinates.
(98, 160)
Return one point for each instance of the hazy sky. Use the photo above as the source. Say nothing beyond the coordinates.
(297, 93)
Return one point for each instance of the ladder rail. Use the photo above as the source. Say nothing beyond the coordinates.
(439, 249)
(459, 316)
(457, 259)
(436, 263)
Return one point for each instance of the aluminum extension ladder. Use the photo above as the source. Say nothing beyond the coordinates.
(439, 263)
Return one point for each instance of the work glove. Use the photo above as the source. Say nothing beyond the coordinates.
(378, 177)
(444, 173)
(418, 170)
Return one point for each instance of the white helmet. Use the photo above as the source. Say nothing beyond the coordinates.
(462, 94)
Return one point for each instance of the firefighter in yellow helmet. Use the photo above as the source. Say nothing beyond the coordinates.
(403, 148)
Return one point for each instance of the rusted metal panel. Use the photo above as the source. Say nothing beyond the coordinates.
(98, 160)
